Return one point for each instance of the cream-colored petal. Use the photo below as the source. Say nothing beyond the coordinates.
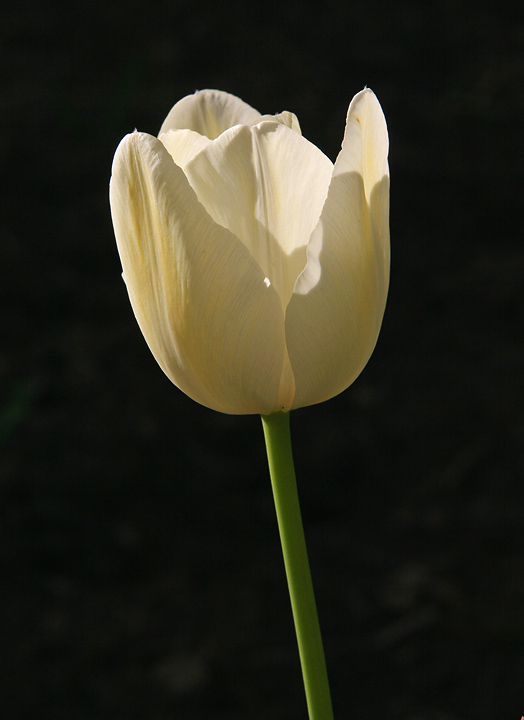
(209, 112)
(200, 299)
(334, 316)
(183, 145)
(286, 118)
(365, 145)
(267, 184)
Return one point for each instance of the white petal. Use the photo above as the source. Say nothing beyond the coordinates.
(286, 118)
(209, 112)
(200, 299)
(334, 316)
(183, 145)
(267, 184)
(365, 145)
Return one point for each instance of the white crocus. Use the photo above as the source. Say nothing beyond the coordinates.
(257, 270)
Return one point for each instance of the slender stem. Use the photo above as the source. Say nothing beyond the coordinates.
(282, 471)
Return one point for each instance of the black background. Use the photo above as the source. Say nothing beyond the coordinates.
(141, 568)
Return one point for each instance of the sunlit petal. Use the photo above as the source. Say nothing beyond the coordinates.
(365, 145)
(267, 184)
(211, 321)
(183, 145)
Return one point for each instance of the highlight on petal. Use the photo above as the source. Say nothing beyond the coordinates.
(212, 323)
(209, 112)
(334, 316)
(267, 184)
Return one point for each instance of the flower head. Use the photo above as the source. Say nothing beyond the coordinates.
(257, 270)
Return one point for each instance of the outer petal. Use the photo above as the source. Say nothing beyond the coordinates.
(334, 316)
(209, 112)
(200, 299)
(267, 184)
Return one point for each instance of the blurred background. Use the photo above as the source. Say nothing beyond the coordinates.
(141, 571)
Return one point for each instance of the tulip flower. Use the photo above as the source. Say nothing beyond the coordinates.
(257, 270)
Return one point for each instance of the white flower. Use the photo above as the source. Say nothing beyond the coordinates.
(257, 270)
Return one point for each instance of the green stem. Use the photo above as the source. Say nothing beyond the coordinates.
(282, 471)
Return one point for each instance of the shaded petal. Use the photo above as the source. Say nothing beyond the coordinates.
(334, 316)
(209, 112)
(200, 299)
(267, 184)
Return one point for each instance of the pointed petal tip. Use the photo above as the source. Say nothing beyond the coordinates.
(366, 110)
(365, 146)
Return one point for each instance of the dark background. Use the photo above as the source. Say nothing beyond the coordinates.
(141, 574)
